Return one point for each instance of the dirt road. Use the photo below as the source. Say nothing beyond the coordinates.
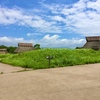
(68, 83)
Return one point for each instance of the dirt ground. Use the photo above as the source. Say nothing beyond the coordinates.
(68, 83)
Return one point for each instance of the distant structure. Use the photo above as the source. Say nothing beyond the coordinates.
(23, 47)
(3, 51)
(93, 42)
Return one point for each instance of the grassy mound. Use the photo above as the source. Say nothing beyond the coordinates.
(61, 57)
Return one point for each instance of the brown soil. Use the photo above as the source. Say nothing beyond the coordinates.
(68, 83)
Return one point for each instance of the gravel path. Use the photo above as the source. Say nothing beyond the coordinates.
(68, 83)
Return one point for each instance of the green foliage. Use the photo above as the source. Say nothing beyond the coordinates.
(79, 47)
(61, 57)
(10, 49)
(3, 47)
(37, 46)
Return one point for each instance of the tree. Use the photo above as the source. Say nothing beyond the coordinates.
(3, 47)
(11, 49)
(37, 46)
(79, 47)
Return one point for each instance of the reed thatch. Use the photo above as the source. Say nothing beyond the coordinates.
(23, 47)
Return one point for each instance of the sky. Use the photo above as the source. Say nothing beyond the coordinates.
(50, 23)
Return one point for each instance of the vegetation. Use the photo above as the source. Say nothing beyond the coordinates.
(3, 46)
(1, 72)
(10, 49)
(79, 47)
(37, 46)
(37, 59)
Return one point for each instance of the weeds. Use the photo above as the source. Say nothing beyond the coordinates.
(61, 57)
(1, 72)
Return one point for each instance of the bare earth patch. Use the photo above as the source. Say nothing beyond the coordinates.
(8, 68)
(69, 83)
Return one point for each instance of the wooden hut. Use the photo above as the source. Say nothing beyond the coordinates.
(23, 47)
(92, 42)
(3, 51)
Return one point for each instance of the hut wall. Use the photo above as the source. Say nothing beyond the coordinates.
(3, 51)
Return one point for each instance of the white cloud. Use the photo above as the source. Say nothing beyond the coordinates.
(83, 17)
(29, 34)
(57, 18)
(5, 39)
(94, 5)
(55, 41)
(12, 41)
(33, 34)
(46, 41)
(21, 17)
(53, 38)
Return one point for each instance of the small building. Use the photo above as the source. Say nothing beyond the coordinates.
(23, 47)
(92, 42)
(3, 51)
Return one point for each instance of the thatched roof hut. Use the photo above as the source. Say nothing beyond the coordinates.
(3, 51)
(23, 47)
(92, 42)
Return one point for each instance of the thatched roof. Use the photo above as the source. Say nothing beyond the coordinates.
(3, 49)
(92, 38)
(23, 47)
(92, 42)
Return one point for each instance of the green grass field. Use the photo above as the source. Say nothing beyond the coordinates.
(61, 57)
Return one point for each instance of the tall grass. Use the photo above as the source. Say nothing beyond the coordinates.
(61, 57)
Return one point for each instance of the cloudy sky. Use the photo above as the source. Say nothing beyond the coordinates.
(51, 23)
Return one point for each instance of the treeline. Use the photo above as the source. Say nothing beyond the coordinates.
(10, 49)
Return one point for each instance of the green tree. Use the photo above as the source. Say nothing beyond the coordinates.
(79, 47)
(3, 47)
(37, 46)
(11, 49)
